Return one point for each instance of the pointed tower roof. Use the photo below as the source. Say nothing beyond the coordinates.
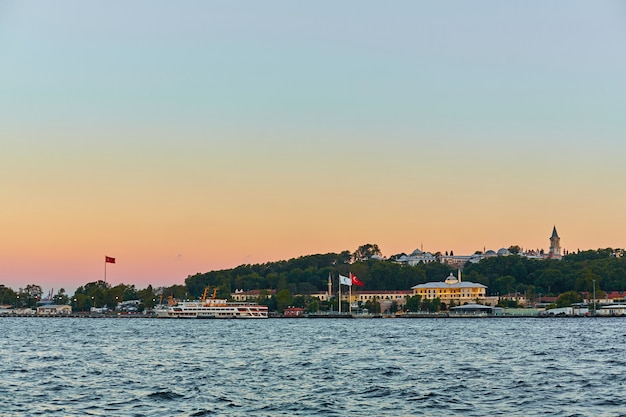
(554, 233)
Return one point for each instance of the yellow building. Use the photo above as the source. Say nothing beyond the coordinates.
(451, 290)
(251, 295)
(399, 296)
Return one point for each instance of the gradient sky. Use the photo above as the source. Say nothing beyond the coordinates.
(183, 137)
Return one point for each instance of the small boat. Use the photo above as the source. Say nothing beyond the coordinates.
(213, 308)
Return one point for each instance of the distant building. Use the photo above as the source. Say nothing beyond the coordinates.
(399, 296)
(451, 290)
(616, 297)
(53, 310)
(416, 257)
(458, 261)
(474, 309)
(612, 310)
(554, 253)
(555, 245)
(518, 297)
(293, 312)
(320, 295)
(251, 295)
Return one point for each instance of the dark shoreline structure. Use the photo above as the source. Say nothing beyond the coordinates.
(323, 316)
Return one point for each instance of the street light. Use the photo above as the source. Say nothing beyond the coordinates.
(594, 297)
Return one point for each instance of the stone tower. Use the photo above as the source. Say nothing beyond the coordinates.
(555, 244)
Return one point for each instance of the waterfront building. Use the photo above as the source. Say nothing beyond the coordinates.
(616, 297)
(293, 312)
(474, 309)
(612, 310)
(518, 297)
(53, 310)
(452, 289)
(251, 295)
(609, 298)
(321, 295)
(399, 296)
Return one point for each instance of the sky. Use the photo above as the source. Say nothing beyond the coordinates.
(190, 136)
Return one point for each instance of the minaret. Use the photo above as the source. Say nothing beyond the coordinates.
(330, 287)
(555, 244)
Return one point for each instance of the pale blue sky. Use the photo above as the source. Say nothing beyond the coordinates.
(486, 68)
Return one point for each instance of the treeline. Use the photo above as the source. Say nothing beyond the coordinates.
(501, 274)
(575, 272)
(309, 274)
(96, 294)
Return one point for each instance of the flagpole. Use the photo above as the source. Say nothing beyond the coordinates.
(105, 269)
(339, 293)
(350, 300)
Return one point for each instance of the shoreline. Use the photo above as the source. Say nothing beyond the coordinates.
(316, 316)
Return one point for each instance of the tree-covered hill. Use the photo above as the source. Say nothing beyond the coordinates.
(575, 272)
(308, 274)
(501, 275)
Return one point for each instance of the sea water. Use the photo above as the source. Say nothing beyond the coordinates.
(313, 367)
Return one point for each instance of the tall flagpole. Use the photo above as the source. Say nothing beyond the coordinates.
(105, 269)
(350, 299)
(339, 293)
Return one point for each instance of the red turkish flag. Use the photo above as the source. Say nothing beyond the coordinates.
(108, 259)
(355, 280)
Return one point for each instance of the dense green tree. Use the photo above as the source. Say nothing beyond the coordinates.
(29, 296)
(61, 298)
(365, 252)
(434, 305)
(413, 303)
(373, 306)
(514, 250)
(7, 296)
(568, 298)
(283, 300)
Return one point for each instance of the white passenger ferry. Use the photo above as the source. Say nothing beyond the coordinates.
(213, 308)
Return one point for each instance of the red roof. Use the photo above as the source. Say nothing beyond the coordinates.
(616, 294)
(407, 292)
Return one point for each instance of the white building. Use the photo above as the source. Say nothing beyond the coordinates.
(53, 310)
(416, 257)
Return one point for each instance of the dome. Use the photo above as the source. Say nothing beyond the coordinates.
(490, 253)
(416, 252)
(503, 252)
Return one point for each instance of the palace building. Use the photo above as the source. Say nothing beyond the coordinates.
(451, 290)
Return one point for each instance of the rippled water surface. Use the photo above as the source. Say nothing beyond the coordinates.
(305, 367)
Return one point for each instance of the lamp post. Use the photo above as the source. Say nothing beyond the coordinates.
(594, 297)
